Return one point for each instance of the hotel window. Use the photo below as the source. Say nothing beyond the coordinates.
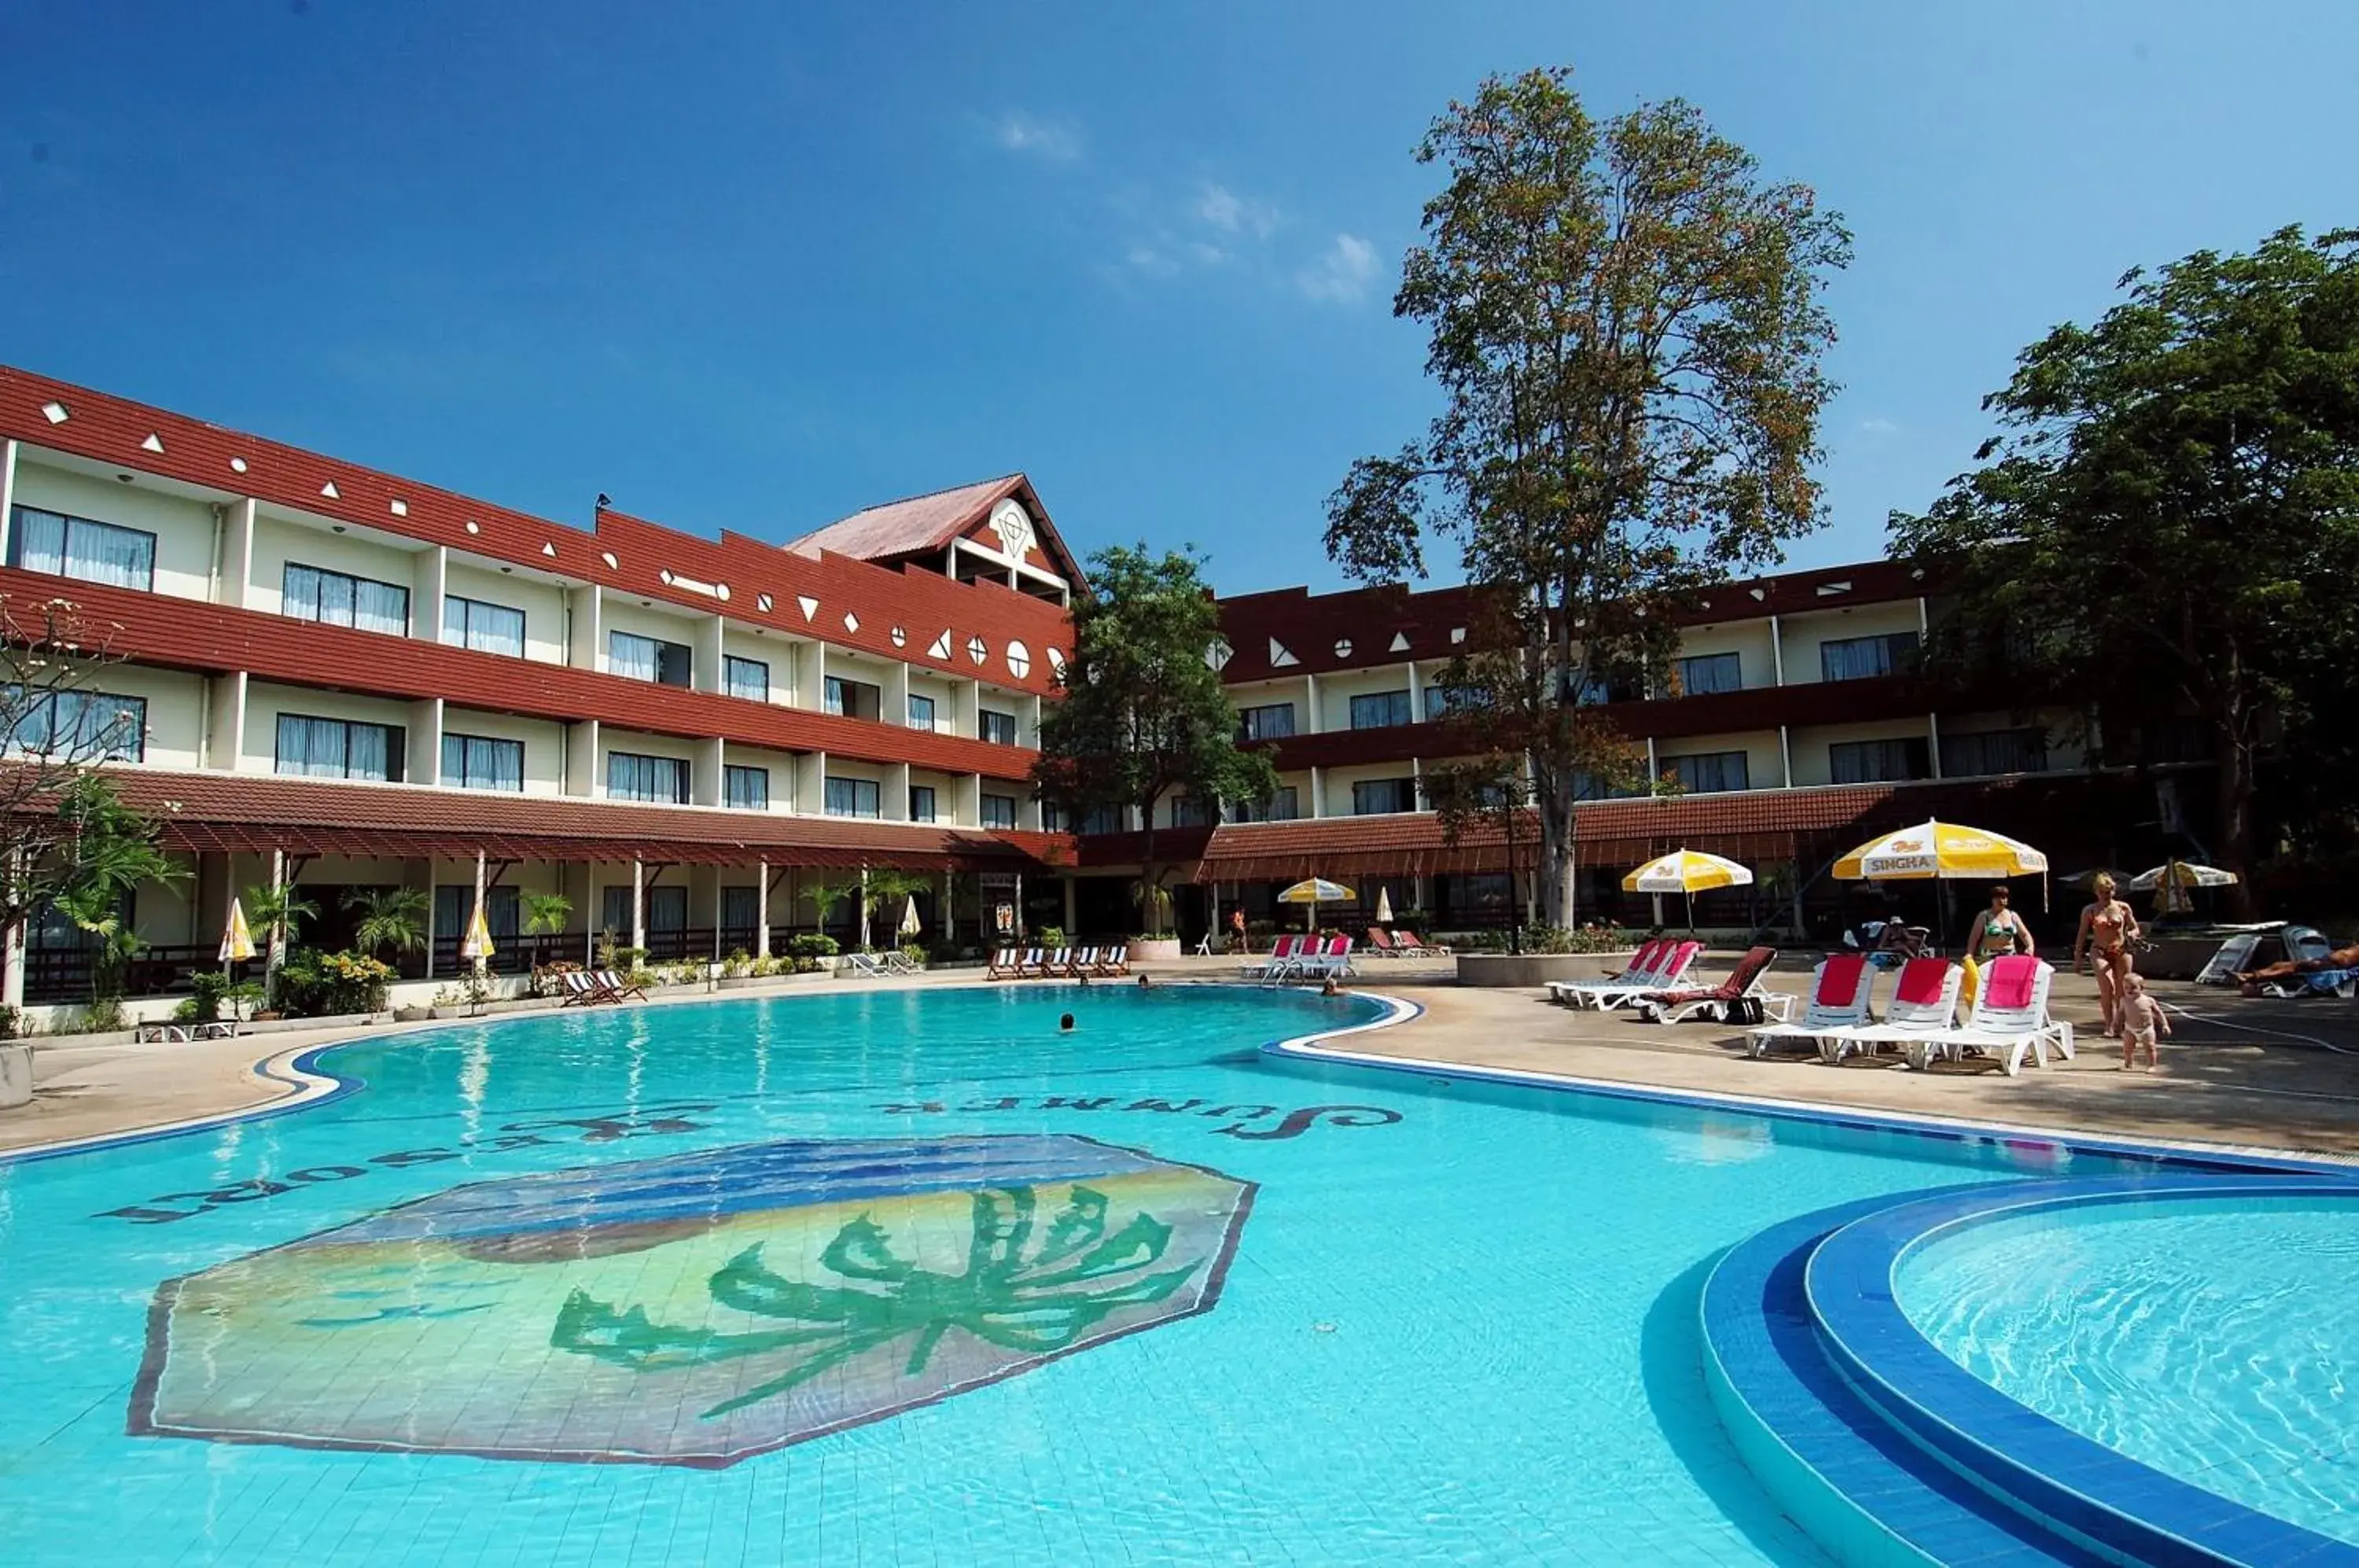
(485, 627)
(998, 728)
(1380, 710)
(481, 762)
(852, 699)
(80, 726)
(921, 803)
(999, 811)
(1708, 772)
(454, 909)
(1375, 797)
(1106, 820)
(747, 678)
(1877, 761)
(921, 711)
(660, 779)
(1280, 808)
(854, 798)
(1993, 752)
(1271, 720)
(337, 599)
(741, 911)
(1709, 672)
(1190, 811)
(338, 749)
(747, 788)
(1440, 702)
(1054, 817)
(1587, 786)
(666, 910)
(648, 659)
(80, 548)
(1857, 658)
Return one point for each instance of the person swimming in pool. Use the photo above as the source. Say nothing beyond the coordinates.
(2142, 1019)
(1065, 1024)
(2001, 931)
(2108, 926)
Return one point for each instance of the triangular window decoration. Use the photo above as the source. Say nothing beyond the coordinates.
(1279, 656)
(942, 645)
(330, 491)
(809, 606)
(153, 443)
(1400, 642)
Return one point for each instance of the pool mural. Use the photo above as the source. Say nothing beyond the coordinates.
(690, 1309)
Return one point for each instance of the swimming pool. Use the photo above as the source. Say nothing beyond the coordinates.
(2208, 1336)
(897, 1277)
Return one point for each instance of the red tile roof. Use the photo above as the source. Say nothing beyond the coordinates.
(648, 556)
(259, 812)
(925, 524)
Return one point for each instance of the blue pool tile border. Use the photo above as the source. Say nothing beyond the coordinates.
(2110, 1497)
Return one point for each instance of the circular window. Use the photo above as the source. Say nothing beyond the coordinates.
(900, 637)
(1342, 648)
(1019, 660)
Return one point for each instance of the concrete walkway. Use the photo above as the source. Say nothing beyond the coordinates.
(2252, 1074)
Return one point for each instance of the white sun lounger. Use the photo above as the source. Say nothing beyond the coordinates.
(1840, 991)
(2010, 1021)
(1669, 971)
(1924, 1003)
(1639, 970)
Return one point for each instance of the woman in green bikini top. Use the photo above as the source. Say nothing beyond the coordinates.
(2001, 931)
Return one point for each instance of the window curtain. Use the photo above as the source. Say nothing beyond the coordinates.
(631, 655)
(37, 540)
(367, 751)
(313, 747)
(98, 553)
(380, 607)
(749, 788)
(1854, 660)
(749, 678)
(1711, 772)
(1710, 672)
(660, 779)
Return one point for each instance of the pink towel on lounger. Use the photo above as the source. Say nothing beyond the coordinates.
(2007, 984)
(1921, 980)
(1839, 982)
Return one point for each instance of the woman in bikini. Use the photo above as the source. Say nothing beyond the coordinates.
(2108, 926)
(2000, 931)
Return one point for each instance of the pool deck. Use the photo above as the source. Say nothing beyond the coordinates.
(2250, 1074)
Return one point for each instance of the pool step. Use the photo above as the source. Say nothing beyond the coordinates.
(1855, 1482)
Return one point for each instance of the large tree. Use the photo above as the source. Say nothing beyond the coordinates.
(1625, 327)
(1141, 712)
(2166, 529)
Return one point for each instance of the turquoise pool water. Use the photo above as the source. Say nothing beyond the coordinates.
(2211, 1338)
(901, 1277)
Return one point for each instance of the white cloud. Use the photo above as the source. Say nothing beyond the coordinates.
(1146, 258)
(1232, 214)
(1019, 132)
(1878, 428)
(1340, 275)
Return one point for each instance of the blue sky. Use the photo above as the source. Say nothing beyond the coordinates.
(755, 266)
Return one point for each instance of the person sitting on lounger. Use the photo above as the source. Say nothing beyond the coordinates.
(2340, 958)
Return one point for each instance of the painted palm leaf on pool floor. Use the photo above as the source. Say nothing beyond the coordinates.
(1027, 1288)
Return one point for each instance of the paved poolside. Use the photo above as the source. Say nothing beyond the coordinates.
(2256, 1074)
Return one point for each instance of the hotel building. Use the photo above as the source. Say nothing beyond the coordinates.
(359, 682)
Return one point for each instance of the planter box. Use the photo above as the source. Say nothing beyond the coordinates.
(739, 982)
(16, 1076)
(1533, 968)
(1160, 950)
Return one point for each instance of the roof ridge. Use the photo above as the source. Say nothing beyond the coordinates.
(906, 500)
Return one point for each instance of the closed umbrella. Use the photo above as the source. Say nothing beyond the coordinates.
(1314, 891)
(478, 943)
(1384, 906)
(1687, 871)
(237, 938)
(911, 925)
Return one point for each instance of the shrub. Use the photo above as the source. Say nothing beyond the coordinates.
(1050, 936)
(737, 965)
(103, 1016)
(12, 1023)
(916, 952)
(207, 991)
(326, 984)
(808, 949)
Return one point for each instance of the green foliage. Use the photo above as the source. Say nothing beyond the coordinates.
(391, 918)
(12, 1022)
(1035, 1289)
(1050, 936)
(332, 984)
(545, 914)
(2166, 528)
(808, 948)
(208, 989)
(1625, 327)
(1144, 712)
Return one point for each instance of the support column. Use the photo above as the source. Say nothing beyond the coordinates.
(762, 909)
(1776, 652)
(12, 940)
(7, 493)
(1786, 755)
(638, 903)
(1071, 904)
(1933, 743)
(949, 917)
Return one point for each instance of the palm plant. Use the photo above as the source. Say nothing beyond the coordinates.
(279, 908)
(97, 909)
(391, 918)
(545, 914)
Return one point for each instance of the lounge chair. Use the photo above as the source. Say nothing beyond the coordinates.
(1924, 1003)
(1739, 999)
(1380, 946)
(1409, 946)
(1005, 965)
(1333, 961)
(1084, 962)
(1058, 961)
(865, 965)
(1114, 960)
(1028, 964)
(1638, 970)
(612, 987)
(1840, 989)
(578, 988)
(2010, 1021)
(1669, 971)
(1281, 953)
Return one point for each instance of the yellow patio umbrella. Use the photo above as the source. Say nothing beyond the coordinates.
(1687, 871)
(478, 942)
(2175, 882)
(237, 937)
(1314, 891)
(1931, 850)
